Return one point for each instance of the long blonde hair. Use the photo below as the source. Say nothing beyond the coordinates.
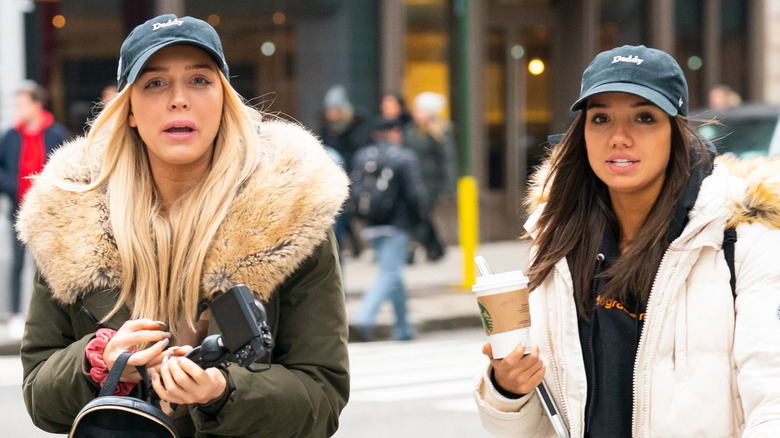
(162, 254)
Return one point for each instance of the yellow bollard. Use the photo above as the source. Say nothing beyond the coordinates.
(468, 221)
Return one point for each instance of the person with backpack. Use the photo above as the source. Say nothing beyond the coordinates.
(388, 195)
(634, 328)
(180, 192)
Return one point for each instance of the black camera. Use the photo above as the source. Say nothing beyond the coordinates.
(246, 336)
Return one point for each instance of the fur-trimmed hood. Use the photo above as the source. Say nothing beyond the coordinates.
(755, 200)
(279, 217)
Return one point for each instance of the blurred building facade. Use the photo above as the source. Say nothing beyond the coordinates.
(510, 68)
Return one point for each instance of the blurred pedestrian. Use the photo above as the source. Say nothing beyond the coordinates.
(722, 97)
(107, 94)
(340, 127)
(388, 194)
(393, 106)
(643, 314)
(340, 223)
(430, 137)
(342, 130)
(23, 152)
(180, 192)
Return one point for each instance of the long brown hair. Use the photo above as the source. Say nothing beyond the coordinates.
(578, 211)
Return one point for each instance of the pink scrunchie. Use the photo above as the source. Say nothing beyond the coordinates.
(99, 370)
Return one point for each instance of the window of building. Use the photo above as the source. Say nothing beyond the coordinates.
(622, 22)
(427, 48)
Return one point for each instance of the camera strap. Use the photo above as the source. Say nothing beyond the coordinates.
(203, 305)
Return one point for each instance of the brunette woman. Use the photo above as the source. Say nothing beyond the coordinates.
(634, 325)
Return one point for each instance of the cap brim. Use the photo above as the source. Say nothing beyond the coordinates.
(653, 96)
(135, 70)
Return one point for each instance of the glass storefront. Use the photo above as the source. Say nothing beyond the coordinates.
(622, 22)
(517, 87)
(285, 54)
(427, 48)
(278, 57)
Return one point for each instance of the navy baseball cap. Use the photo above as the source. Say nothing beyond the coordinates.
(645, 72)
(159, 32)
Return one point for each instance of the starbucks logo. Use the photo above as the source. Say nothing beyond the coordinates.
(487, 320)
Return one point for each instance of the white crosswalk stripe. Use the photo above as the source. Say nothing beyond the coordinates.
(441, 370)
(10, 371)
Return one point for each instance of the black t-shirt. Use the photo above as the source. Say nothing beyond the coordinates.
(609, 342)
(610, 338)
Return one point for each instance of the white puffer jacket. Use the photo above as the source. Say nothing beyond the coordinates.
(702, 369)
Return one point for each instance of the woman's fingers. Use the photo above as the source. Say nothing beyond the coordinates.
(537, 377)
(487, 350)
(182, 381)
(130, 339)
(159, 387)
(144, 357)
(517, 372)
(134, 333)
(181, 350)
(133, 325)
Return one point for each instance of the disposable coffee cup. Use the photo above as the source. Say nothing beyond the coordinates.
(503, 305)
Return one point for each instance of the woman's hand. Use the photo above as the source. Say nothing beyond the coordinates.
(517, 373)
(181, 381)
(133, 333)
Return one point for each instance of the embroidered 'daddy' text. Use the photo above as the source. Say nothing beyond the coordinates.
(634, 59)
(175, 22)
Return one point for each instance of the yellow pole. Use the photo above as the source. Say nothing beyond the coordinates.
(468, 221)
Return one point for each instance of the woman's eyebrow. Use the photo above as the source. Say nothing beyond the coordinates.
(642, 103)
(155, 69)
(633, 105)
(199, 66)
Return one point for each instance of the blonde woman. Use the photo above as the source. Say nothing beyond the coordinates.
(179, 192)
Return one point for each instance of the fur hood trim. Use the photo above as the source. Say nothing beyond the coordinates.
(279, 217)
(759, 202)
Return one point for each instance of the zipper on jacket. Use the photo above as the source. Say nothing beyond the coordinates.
(91, 317)
(642, 340)
(553, 365)
(645, 327)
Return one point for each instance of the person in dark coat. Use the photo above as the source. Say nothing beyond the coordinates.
(343, 130)
(180, 192)
(390, 237)
(23, 152)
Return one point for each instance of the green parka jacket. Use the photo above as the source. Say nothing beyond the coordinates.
(276, 239)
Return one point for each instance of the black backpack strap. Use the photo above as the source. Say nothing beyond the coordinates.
(109, 386)
(729, 239)
(147, 390)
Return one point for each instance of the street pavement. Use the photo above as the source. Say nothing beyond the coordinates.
(438, 298)
(421, 388)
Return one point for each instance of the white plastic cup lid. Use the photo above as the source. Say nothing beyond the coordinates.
(503, 281)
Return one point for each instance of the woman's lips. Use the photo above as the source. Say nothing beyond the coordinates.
(180, 129)
(622, 165)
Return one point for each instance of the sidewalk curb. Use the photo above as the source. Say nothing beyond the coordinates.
(384, 331)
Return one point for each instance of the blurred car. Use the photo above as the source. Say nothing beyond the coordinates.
(745, 131)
